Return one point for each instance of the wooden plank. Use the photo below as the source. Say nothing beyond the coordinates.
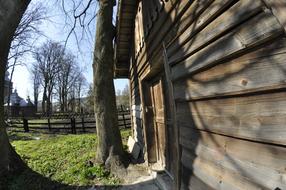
(148, 125)
(168, 20)
(137, 34)
(155, 10)
(147, 13)
(167, 8)
(172, 11)
(228, 163)
(256, 31)
(189, 17)
(190, 181)
(218, 148)
(199, 21)
(259, 118)
(172, 117)
(216, 177)
(278, 8)
(141, 25)
(215, 174)
(245, 74)
(234, 16)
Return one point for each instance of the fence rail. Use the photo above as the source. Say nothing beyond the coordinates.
(68, 123)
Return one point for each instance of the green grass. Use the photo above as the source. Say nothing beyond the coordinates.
(63, 158)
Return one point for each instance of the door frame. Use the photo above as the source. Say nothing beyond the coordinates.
(150, 136)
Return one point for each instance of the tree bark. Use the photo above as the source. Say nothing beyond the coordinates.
(11, 13)
(44, 100)
(109, 146)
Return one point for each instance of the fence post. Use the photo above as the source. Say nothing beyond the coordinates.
(73, 128)
(49, 124)
(123, 117)
(26, 125)
(82, 124)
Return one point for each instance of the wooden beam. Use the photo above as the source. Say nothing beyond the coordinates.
(245, 74)
(256, 31)
(278, 8)
(173, 117)
(227, 163)
(258, 118)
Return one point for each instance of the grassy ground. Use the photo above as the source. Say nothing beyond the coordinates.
(66, 159)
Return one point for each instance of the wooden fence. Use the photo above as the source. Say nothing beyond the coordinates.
(68, 123)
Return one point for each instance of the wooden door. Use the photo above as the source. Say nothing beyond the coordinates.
(155, 117)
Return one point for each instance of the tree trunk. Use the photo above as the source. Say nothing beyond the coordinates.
(11, 13)
(48, 105)
(44, 100)
(10, 86)
(36, 103)
(109, 144)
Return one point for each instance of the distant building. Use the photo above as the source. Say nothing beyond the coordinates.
(17, 105)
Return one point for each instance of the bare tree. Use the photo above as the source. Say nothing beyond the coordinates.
(65, 79)
(80, 15)
(36, 80)
(80, 85)
(90, 99)
(49, 57)
(69, 81)
(27, 32)
(22, 43)
(122, 97)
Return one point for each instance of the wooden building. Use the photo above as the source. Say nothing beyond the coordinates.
(208, 92)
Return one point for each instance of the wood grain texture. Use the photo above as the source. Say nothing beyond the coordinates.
(254, 32)
(203, 14)
(190, 16)
(173, 133)
(278, 9)
(226, 62)
(227, 163)
(259, 118)
(237, 14)
(245, 74)
(173, 10)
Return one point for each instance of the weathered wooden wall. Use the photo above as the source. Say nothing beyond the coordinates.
(147, 63)
(227, 63)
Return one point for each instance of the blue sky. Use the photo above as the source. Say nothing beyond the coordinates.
(56, 28)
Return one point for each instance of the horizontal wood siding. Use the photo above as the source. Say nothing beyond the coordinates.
(245, 74)
(228, 69)
(227, 61)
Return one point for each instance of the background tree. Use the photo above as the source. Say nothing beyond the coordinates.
(36, 81)
(49, 57)
(122, 97)
(26, 33)
(66, 77)
(23, 39)
(70, 83)
(90, 99)
(80, 85)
